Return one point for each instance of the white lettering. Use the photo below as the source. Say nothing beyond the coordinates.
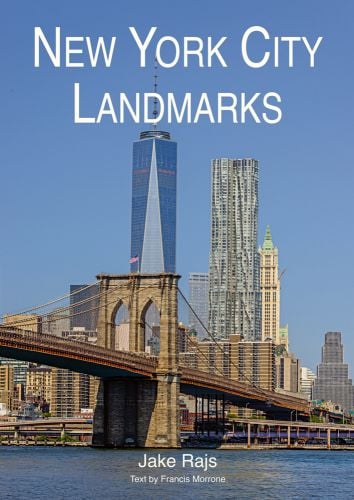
(142, 45)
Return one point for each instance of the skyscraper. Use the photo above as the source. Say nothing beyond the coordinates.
(234, 294)
(153, 228)
(84, 302)
(270, 289)
(332, 382)
(199, 301)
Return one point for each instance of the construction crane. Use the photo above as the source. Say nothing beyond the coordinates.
(282, 274)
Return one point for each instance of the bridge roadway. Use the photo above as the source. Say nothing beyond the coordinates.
(47, 423)
(100, 362)
(48, 427)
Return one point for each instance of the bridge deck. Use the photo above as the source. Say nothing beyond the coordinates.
(98, 361)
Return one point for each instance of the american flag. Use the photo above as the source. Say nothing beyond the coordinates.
(134, 259)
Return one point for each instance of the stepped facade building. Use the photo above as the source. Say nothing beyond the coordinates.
(333, 382)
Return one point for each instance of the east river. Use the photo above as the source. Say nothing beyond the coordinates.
(85, 473)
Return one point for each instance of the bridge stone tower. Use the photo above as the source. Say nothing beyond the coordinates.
(137, 411)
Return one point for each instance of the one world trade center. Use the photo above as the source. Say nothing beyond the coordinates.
(153, 227)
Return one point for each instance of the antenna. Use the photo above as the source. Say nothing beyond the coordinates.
(155, 112)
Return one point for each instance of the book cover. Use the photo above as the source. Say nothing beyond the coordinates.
(176, 277)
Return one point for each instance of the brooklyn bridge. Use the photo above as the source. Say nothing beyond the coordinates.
(138, 400)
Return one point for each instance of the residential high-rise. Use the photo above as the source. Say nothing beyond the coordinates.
(19, 369)
(332, 382)
(199, 301)
(153, 226)
(70, 392)
(270, 289)
(38, 385)
(6, 386)
(29, 322)
(244, 361)
(234, 293)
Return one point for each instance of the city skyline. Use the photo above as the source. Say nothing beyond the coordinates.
(300, 197)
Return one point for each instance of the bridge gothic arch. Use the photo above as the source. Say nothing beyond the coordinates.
(120, 327)
(150, 320)
(137, 292)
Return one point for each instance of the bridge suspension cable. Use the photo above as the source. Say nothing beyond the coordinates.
(51, 302)
(212, 337)
(50, 318)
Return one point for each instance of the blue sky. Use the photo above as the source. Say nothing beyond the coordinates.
(66, 188)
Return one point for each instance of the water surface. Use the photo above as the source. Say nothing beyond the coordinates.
(85, 473)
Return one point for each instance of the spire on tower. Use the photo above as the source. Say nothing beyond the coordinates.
(155, 112)
(268, 242)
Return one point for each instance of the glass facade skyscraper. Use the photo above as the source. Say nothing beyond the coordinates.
(84, 302)
(199, 301)
(153, 228)
(234, 293)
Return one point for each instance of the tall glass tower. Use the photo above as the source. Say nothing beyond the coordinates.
(153, 228)
(234, 287)
(199, 301)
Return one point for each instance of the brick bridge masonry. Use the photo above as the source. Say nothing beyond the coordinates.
(136, 411)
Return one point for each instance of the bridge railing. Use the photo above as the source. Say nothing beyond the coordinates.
(20, 338)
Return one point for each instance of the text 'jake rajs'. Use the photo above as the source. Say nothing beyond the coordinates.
(187, 460)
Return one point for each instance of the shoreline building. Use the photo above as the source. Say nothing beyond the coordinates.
(153, 223)
(270, 289)
(333, 382)
(234, 290)
(199, 301)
